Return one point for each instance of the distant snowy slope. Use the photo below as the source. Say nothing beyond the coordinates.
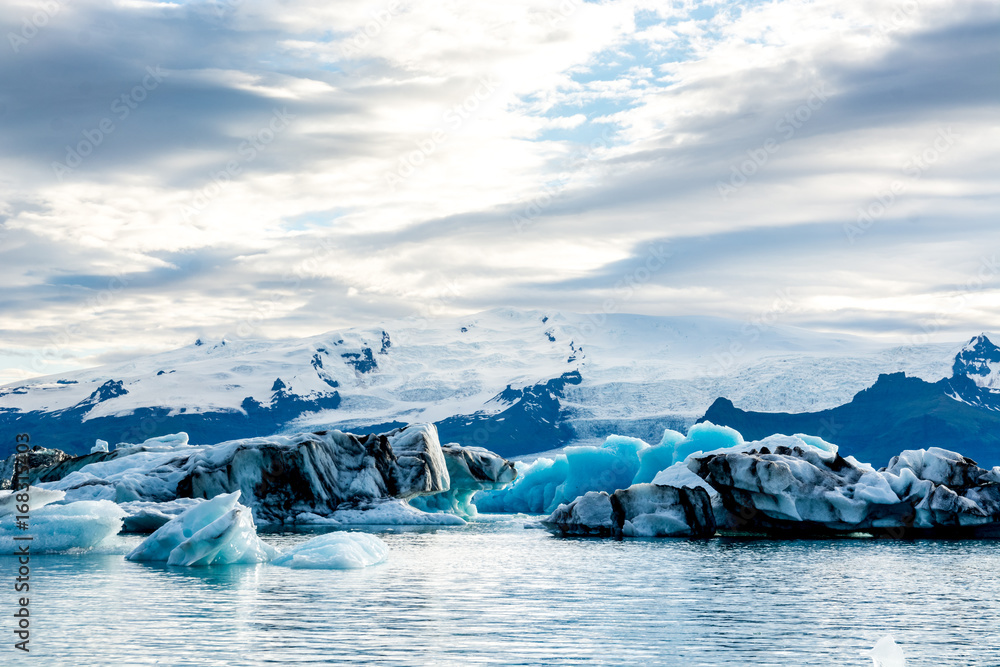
(509, 379)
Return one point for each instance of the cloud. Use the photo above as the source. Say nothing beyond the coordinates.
(274, 168)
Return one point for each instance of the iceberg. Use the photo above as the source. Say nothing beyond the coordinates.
(783, 484)
(147, 517)
(886, 653)
(282, 477)
(218, 531)
(336, 551)
(642, 510)
(38, 457)
(471, 469)
(37, 498)
(546, 483)
(221, 531)
(55, 527)
(392, 512)
(99, 446)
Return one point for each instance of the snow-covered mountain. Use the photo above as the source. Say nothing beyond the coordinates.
(959, 413)
(512, 380)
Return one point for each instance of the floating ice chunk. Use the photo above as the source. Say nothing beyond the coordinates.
(887, 653)
(642, 510)
(99, 446)
(385, 513)
(146, 517)
(37, 498)
(544, 484)
(659, 457)
(590, 514)
(159, 444)
(707, 437)
(81, 525)
(471, 469)
(218, 531)
(335, 551)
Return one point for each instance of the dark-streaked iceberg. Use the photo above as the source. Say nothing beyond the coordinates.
(323, 477)
(778, 486)
(641, 510)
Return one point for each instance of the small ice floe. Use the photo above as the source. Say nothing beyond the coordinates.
(55, 527)
(335, 551)
(887, 653)
(218, 531)
(221, 531)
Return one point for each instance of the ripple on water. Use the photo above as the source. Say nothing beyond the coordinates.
(493, 592)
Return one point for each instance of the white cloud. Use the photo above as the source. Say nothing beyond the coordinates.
(419, 132)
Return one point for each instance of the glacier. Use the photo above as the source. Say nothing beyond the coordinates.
(335, 551)
(471, 375)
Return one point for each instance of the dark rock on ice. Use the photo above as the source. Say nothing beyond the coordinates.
(642, 510)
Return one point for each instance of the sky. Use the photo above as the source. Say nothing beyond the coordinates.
(245, 168)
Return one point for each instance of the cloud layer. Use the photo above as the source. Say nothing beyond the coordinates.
(245, 168)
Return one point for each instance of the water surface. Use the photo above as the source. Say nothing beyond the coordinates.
(494, 592)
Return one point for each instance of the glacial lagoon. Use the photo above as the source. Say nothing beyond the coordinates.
(496, 592)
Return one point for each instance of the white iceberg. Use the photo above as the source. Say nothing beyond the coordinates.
(146, 517)
(393, 512)
(887, 653)
(335, 551)
(218, 531)
(80, 525)
(37, 498)
(99, 446)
